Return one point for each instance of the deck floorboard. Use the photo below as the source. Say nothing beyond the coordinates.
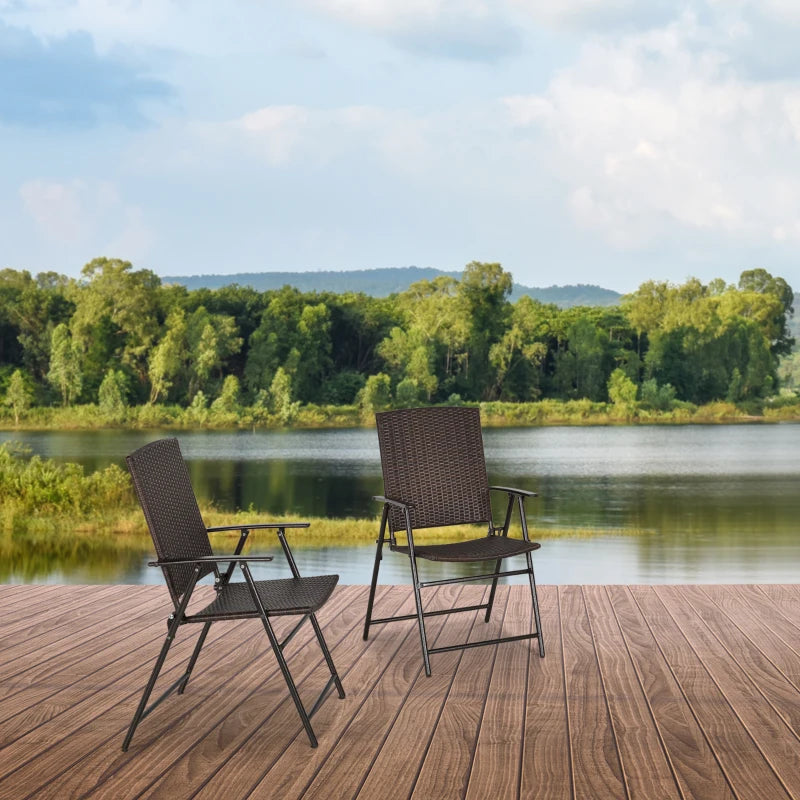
(673, 692)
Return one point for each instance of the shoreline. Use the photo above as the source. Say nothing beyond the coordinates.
(494, 414)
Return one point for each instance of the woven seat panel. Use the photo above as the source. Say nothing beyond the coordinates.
(433, 458)
(281, 596)
(165, 493)
(486, 549)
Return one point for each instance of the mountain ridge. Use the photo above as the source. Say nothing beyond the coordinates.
(383, 281)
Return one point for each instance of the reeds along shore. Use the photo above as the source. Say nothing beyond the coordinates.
(493, 414)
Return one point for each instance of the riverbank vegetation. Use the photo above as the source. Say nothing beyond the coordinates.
(55, 516)
(119, 348)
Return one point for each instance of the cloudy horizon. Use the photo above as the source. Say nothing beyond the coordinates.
(581, 142)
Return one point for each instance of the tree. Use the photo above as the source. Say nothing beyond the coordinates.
(167, 357)
(622, 392)
(376, 394)
(111, 395)
(228, 400)
(484, 290)
(115, 317)
(18, 395)
(65, 365)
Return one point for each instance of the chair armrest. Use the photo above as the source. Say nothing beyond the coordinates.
(518, 492)
(397, 503)
(172, 562)
(255, 526)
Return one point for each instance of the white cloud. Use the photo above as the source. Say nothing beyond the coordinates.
(653, 137)
(80, 213)
(282, 135)
(57, 208)
(482, 30)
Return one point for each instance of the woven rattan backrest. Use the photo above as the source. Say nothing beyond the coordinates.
(433, 458)
(162, 485)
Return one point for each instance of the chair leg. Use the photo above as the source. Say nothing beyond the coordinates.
(151, 683)
(492, 591)
(193, 660)
(276, 648)
(373, 585)
(420, 617)
(535, 599)
(327, 654)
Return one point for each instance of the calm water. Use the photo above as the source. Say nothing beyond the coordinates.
(707, 503)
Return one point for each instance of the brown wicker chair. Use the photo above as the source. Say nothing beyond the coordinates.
(184, 554)
(434, 474)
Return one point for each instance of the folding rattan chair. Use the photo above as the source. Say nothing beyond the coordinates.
(184, 554)
(434, 475)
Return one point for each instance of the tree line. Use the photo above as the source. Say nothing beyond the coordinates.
(118, 336)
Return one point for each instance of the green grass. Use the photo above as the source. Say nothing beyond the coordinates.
(493, 414)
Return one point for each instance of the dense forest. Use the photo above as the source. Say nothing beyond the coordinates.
(119, 337)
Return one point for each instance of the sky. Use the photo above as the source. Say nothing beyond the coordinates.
(574, 141)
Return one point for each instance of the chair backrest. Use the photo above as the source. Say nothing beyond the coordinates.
(165, 493)
(433, 458)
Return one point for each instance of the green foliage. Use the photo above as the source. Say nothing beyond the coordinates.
(622, 392)
(445, 336)
(65, 372)
(406, 393)
(19, 395)
(655, 397)
(376, 394)
(34, 486)
(112, 394)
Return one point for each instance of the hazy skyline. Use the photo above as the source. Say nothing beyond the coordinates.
(574, 142)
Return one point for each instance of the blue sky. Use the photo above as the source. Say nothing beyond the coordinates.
(575, 141)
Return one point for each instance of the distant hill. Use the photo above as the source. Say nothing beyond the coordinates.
(384, 281)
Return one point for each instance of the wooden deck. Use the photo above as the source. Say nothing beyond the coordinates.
(646, 692)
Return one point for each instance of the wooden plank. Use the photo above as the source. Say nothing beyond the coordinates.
(697, 770)
(235, 754)
(393, 761)
(546, 768)
(786, 598)
(757, 616)
(63, 610)
(286, 771)
(382, 722)
(732, 660)
(246, 665)
(501, 733)
(595, 761)
(120, 613)
(21, 599)
(447, 764)
(77, 660)
(749, 774)
(647, 770)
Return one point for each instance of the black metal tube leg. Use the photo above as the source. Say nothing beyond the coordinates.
(420, 618)
(150, 684)
(492, 591)
(193, 660)
(373, 585)
(327, 654)
(276, 648)
(535, 599)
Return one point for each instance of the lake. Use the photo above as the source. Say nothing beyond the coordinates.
(672, 504)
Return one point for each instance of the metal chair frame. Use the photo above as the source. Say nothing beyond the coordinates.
(207, 564)
(515, 498)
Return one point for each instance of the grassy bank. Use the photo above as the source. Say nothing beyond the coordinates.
(54, 516)
(494, 414)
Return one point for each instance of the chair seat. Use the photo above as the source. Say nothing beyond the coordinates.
(485, 549)
(280, 596)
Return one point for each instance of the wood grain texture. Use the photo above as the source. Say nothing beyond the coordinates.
(596, 767)
(681, 693)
